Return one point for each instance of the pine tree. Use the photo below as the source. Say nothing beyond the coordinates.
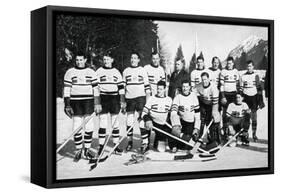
(192, 63)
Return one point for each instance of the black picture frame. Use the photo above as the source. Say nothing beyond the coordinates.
(43, 103)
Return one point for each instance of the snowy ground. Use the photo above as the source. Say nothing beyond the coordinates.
(254, 156)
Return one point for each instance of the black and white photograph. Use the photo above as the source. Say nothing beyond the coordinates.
(140, 96)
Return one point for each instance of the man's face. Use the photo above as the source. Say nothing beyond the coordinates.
(107, 61)
(155, 60)
(185, 88)
(239, 99)
(250, 67)
(216, 64)
(200, 64)
(178, 65)
(229, 64)
(80, 61)
(135, 60)
(205, 81)
(160, 91)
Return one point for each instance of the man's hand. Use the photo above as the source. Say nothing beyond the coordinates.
(97, 108)
(123, 107)
(195, 134)
(176, 130)
(216, 116)
(68, 111)
(148, 125)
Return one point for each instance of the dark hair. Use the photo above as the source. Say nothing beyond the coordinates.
(80, 53)
(250, 61)
(214, 58)
(135, 53)
(205, 74)
(108, 54)
(200, 57)
(230, 59)
(161, 83)
(186, 81)
(154, 53)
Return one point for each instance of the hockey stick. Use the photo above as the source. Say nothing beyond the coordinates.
(105, 144)
(76, 131)
(112, 149)
(177, 138)
(230, 140)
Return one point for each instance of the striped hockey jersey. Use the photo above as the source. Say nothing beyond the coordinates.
(236, 112)
(110, 81)
(136, 82)
(195, 76)
(187, 107)
(155, 74)
(80, 84)
(214, 76)
(229, 80)
(249, 83)
(207, 95)
(158, 108)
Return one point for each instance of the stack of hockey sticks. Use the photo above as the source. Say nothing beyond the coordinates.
(95, 162)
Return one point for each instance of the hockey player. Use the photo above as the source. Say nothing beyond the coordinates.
(112, 95)
(251, 88)
(229, 86)
(155, 72)
(155, 114)
(208, 96)
(176, 78)
(81, 99)
(185, 114)
(238, 116)
(215, 71)
(137, 91)
(195, 75)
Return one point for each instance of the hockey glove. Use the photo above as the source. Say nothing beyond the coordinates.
(223, 101)
(176, 130)
(67, 108)
(123, 104)
(195, 135)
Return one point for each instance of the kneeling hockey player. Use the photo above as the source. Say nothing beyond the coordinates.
(238, 115)
(155, 114)
(112, 96)
(208, 96)
(185, 114)
(81, 99)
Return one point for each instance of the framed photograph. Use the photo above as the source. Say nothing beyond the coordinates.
(126, 96)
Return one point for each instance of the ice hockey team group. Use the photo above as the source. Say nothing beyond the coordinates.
(224, 100)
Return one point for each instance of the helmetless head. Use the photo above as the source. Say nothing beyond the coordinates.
(215, 63)
(229, 63)
(250, 66)
(200, 63)
(80, 60)
(155, 59)
(239, 98)
(205, 79)
(135, 59)
(185, 87)
(107, 61)
(161, 88)
(179, 65)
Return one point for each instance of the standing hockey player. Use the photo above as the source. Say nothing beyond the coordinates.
(195, 75)
(251, 88)
(81, 99)
(112, 95)
(238, 116)
(229, 80)
(155, 114)
(155, 72)
(137, 92)
(176, 78)
(215, 71)
(185, 114)
(208, 96)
